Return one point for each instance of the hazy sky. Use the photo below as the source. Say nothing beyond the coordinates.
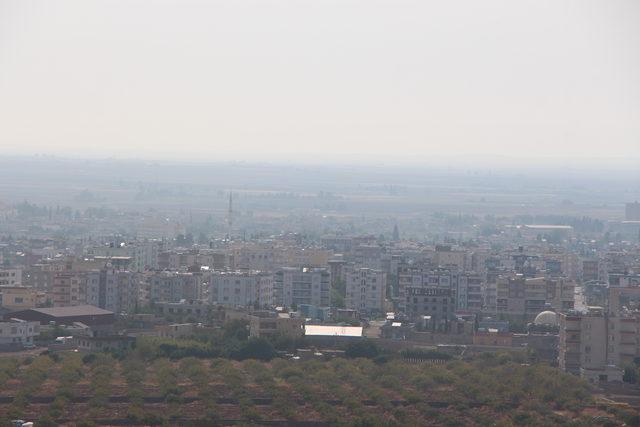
(345, 79)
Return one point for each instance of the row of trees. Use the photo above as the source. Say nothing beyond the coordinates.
(358, 390)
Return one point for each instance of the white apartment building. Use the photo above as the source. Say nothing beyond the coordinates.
(171, 286)
(241, 288)
(304, 285)
(365, 289)
(10, 277)
(144, 255)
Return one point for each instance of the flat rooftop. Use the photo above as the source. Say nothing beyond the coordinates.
(333, 331)
(78, 310)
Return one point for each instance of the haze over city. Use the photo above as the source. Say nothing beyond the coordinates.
(489, 82)
(331, 213)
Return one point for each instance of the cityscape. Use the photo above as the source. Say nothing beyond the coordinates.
(128, 312)
(320, 213)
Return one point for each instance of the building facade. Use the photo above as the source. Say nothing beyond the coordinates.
(306, 285)
(241, 288)
(365, 290)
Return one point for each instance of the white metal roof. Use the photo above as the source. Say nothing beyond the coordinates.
(335, 331)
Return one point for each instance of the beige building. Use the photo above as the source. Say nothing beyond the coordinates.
(10, 277)
(446, 257)
(304, 257)
(365, 289)
(69, 289)
(598, 344)
(176, 330)
(269, 324)
(16, 298)
(521, 297)
(587, 345)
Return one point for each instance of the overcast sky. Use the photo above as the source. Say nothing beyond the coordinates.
(344, 80)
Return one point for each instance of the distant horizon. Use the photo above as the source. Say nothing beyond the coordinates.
(349, 82)
(442, 162)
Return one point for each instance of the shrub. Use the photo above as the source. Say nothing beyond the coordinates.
(362, 348)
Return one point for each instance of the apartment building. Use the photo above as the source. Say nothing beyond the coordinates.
(305, 285)
(144, 255)
(253, 257)
(241, 288)
(590, 270)
(303, 257)
(438, 293)
(424, 292)
(16, 298)
(113, 290)
(365, 290)
(10, 277)
(368, 256)
(171, 286)
(521, 297)
(583, 341)
(599, 343)
(69, 289)
(445, 256)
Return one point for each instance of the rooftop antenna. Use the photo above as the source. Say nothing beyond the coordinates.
(230, 216)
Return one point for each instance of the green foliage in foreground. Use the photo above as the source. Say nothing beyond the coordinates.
(489, 390)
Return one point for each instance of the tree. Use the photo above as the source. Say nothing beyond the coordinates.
(255, 348)
(362, 348)
(236, 329)
(630, 375)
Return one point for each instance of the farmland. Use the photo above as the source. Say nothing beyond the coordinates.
(137, 390)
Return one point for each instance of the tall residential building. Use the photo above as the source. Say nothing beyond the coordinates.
(521, 297)
(144, 255)
(113, 290)
(253, 257)
(438, 293)
(446, 257)
(304, 285)
(241, 288)
(171, 286)
(583, 343)
(69, 289)
(598, 344)
(365, 290)
(590, 270)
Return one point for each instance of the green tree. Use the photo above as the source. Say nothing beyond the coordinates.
(362, 348)
(630, 375)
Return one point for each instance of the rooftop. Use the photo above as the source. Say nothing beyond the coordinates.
(333, 331)
(79, 310)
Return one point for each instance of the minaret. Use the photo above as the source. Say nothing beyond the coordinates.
(230, 216)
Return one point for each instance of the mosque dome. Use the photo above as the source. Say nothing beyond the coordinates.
(546, 318)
